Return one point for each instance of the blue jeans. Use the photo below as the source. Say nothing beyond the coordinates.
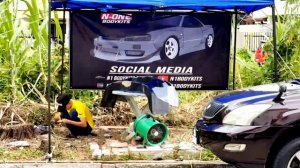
(75, 130)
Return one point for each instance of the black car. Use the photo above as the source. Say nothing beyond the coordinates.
(255, 127)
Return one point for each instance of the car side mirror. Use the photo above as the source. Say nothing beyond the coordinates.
(278, 98)
(282, 88)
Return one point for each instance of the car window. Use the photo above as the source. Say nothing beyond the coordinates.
(169, 21)
(190, 21)
(162, 22)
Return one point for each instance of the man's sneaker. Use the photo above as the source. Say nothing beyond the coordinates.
(71, 136)
(93, 134)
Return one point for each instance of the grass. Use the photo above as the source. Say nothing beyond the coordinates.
(21, 154)
(182, 117)
(71, 154)
(127, 157)
(75, 154)
(207, 155)
(203, 155)
(68, 151)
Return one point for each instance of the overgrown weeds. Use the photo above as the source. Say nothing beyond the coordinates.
(21, 154)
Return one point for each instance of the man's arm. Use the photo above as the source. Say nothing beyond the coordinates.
(81, 123)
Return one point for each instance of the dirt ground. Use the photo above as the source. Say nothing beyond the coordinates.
(182, 118)
(78, 149)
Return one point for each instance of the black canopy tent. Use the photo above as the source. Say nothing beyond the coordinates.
(234, 6)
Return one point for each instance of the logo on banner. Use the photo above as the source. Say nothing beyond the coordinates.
(116, 18)
(163, 77)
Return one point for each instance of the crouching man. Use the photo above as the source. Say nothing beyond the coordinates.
(75, 115)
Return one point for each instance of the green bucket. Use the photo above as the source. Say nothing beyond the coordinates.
(152, 131)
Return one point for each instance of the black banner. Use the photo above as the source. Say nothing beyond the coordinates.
(191, 51)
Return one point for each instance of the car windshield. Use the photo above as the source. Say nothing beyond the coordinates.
(163, 22)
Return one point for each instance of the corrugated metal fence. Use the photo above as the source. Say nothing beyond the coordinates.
(252, 40)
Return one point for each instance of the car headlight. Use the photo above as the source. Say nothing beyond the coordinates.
(138, 38)
(245, 115)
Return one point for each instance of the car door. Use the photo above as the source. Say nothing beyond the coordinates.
(192, 34)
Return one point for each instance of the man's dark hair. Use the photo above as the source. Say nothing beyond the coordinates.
(63, 99)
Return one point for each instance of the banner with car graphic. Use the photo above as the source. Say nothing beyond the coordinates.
(191, 50)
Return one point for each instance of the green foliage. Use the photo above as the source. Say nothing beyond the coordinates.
(38, 116)
(249, 73)
(188, 96)
(288, 40)
(23, 53)
(21, 154)
(14, 54)
(2, 151)
(203, 155)
(133, 156)
(207, 155)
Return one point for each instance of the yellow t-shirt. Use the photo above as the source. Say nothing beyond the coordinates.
(83, 112)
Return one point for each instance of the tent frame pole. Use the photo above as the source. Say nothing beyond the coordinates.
(63, 50)
(49, 155)
(234, 48)
(275, 78)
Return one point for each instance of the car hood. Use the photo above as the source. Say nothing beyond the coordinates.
(257, 94)
(262, 94)
(250, 95)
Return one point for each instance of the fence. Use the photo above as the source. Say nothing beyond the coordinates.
(253, 40)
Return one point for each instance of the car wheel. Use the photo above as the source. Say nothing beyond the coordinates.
(209, 41)
(170, 49)
(289, 155)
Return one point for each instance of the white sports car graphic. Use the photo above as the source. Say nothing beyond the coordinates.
(168, 37)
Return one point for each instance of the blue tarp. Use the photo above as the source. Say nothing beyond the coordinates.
(197, 5)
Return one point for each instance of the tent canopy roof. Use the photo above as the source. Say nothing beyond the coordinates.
(195, 5)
